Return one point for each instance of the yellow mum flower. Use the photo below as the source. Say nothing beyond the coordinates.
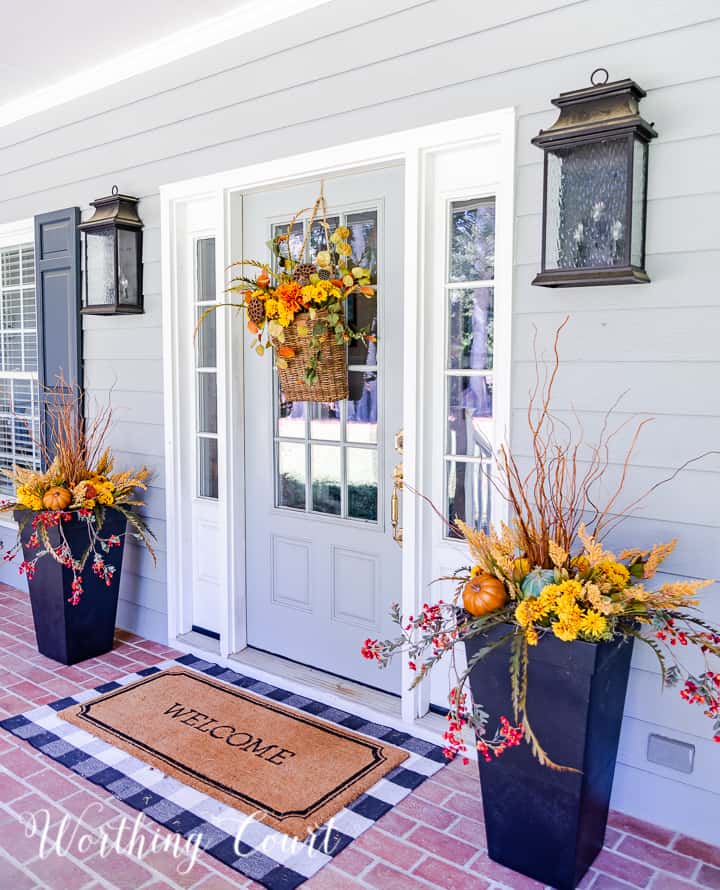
(521, 567)
(531, 635)
(27, 497)
(564, 631)
(581, 563)
(271, 308)
(615, 573)
(285, 315)
(524, 613)
(572, 589)
(593, 624)
(105, 494)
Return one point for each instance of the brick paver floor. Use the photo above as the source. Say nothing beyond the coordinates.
(434, 838)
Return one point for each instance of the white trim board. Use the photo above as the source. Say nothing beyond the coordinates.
(221, 196)
(19, 231)
(250, 16)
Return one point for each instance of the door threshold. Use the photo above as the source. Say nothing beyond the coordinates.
(351, 692)
(194, 640)
(360, 700)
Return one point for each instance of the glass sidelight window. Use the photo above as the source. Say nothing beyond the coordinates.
(326, 454)
(205, 371)
(19, 393)
(469, 314)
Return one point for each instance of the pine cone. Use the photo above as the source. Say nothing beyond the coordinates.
(256, 310)
(302, 273)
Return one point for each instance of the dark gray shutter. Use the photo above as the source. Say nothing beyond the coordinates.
(58, 294)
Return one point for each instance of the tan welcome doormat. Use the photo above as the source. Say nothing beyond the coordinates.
(291, 770)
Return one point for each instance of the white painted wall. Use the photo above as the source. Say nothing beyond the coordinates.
(350, 69)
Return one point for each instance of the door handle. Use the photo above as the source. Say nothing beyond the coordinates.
(397, 488)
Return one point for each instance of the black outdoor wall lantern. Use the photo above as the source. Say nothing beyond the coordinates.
(595, 186)
(113, 257)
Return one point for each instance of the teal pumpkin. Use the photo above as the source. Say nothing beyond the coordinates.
(536, 580)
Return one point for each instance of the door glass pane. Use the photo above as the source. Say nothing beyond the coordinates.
(362, 477)
(326, 478)
(293, 244)
(207, 402)
(472, 240)
(206, 338)
(470, 328)
(468, 492)
(468, 432)
(325, 421)
(362, 314)
(290, 416)
(471, 396)
(207, 456)
(318, 241)
(292, 475)
(362, 410)
(363, 240)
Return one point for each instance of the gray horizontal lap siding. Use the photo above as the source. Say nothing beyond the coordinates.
(393, 64)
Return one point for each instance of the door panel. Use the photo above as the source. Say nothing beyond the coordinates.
(322, 568)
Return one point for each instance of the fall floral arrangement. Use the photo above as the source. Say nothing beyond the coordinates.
(296, 308)
(548, 573)
(80, 483)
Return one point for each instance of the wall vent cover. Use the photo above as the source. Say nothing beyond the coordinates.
(671, 753)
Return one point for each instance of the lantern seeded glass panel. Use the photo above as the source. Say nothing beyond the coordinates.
(637, 245)
(469, 347)
(587, 206)
(100, 266)
(127, 267)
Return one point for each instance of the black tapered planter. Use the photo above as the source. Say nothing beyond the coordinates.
(64, 632)
(545, 824)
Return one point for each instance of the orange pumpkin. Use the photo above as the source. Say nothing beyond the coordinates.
(57, 498)
(484, 594)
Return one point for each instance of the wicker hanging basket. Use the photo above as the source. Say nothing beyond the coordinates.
(331, 384)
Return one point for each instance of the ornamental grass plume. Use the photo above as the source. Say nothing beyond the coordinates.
(550, 574)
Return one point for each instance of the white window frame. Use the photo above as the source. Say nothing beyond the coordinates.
(224, 192)
(13, 234)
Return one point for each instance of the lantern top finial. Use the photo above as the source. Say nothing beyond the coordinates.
(605, 108)
(114, 209)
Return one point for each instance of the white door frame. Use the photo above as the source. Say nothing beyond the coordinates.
(412, 147)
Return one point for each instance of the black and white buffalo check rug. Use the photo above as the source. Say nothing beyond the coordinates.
(246, 845)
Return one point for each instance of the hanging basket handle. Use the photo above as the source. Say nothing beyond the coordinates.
(319, 205)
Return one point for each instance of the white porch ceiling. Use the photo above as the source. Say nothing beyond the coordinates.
(54, 52)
